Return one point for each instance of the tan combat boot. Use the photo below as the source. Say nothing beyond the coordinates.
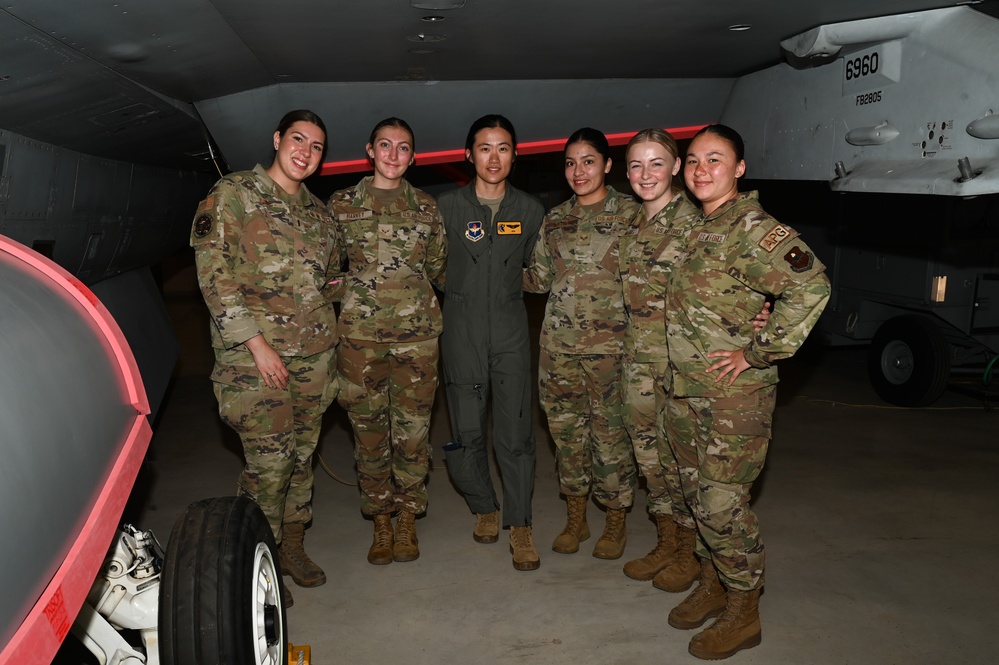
(576, 529)
(646, 568)
(381, 551)
(407, 546)
(286, 598)
(610, 545)
(704, 602)
(738, 628)
(525, 557)
(294, 561)
(683, 569)
(486, 527)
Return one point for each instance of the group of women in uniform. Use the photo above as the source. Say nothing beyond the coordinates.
(656, 347)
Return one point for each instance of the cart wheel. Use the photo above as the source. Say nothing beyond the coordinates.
(220, 592)
(909, 361)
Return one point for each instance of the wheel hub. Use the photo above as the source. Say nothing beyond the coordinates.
(897, 362)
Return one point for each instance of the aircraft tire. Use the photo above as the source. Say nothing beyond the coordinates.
(220, 591)
(909, 361)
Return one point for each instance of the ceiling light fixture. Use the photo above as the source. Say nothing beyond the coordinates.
(437, 5)
(426, 38)
(740, 27)
(433, 18)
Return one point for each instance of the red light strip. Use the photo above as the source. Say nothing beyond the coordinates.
(529, 148)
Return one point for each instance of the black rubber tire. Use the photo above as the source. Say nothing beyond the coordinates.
(220, 591)
(909, 361)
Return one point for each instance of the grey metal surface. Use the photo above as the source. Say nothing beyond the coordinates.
(98, 217)
(63, 415)
(926, 79)
(121, 79)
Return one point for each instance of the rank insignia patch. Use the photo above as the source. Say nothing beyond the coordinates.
(204, 224)
(798, 259)
(508, 228)
(474, 232)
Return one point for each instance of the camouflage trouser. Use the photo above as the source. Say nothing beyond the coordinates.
(721, 444)
(388, 391)
(645, 387)
(581, 395)
(279, 429)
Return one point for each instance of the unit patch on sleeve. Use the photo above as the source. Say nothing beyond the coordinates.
(474, 232)
(508, 228)
(204, 224)
(774, 237)
(799, 259)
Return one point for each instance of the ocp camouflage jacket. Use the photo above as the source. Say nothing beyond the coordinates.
(264, 258)
(393, 252)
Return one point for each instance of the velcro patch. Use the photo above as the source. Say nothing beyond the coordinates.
(508, 228)
(775, 236)
(348, 216)
(710, 237)
(799, 259)
(204, 224)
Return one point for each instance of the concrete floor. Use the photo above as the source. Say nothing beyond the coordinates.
(880, 526)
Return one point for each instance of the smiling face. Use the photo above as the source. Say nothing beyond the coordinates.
(391, 153)
(492, 155)
(585, 169)
(712, 171)
(651, 168)
(299, 153)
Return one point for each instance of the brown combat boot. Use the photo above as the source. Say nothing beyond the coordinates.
(683, 569)
(294, 561)
(381, 551)
(286, 598)
(576, 529)
(704, 602)
(525, 557)
(486, 527)
(407, 546)
(610, 545)
(646, 568)
(738, 628)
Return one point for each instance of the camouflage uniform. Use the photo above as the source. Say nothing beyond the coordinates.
(582, 338)
(736, 256)
(264, 258)
(389, 324)
(647, 260)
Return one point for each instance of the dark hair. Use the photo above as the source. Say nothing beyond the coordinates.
(727, 134)
(491, 121)
(300, 115)
(394, 122)
(592, 136)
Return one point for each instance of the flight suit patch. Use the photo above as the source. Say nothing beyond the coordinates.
(204, 224)
(774, 237)
(508, 228)
(799, 259)
(474, 232)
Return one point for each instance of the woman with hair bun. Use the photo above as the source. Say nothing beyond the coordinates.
(265, 253)
(724, 382)
(576, 259)
(389, 324)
